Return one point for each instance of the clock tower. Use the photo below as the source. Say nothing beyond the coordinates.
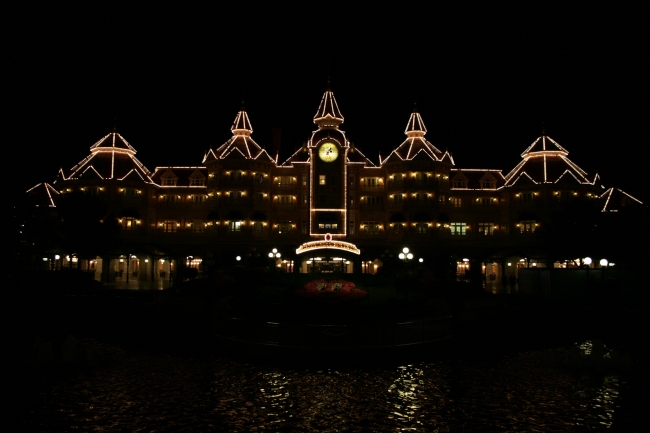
(328, 149)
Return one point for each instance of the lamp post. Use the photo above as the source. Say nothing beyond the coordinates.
(274, 255)
(405, 256)
(603, 265)
(587, 261)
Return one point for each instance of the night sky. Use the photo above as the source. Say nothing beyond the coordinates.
(484, 80)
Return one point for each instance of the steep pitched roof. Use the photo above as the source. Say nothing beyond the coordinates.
(614, 200)
(545, 161)
(300, 156)
(242, 124)
(112, 157)
(415, 142)
(241, 145)
(355, 156)
(328, 113)
(43, 195)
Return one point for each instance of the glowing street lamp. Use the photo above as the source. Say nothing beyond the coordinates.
(275, 254)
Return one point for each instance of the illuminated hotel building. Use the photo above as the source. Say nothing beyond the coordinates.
(328, 207)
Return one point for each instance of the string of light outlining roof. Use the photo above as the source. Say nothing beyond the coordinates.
(416, 145)
(415, 126)
(328, 114)
(545, 161)
(240, 145)
(242, 125)
(112, 157)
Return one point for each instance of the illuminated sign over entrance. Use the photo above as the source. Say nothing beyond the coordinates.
(328, 243)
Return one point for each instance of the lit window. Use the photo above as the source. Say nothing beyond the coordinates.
(234, 226)
(527, 226)
(458, 229)
(285, 227)
(371, 182)
(457, 201)
(370, 227)
(486, 228)
(322, 179)
(128, 223)
(285, 199)
(168, 226)
(285, 180)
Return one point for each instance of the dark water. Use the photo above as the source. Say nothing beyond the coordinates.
(139, 392)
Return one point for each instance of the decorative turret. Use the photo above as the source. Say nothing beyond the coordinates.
(240, 145)
(112, 157)
(241, 125)
(415, 143)
(328, 114)
(545, 161)
(415, 127)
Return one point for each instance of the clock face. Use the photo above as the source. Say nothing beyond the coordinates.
(328, 151)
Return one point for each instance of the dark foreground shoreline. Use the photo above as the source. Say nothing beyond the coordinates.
(182, 324)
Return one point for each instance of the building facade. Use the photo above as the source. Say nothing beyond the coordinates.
(328, 207)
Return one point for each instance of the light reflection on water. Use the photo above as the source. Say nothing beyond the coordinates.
(140, 392)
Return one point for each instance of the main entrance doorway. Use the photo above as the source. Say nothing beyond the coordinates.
(327, 256)
(327, 265)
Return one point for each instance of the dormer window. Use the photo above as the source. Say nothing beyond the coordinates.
(169, 181)
(197, 181)
(488, 181)
(459, 181)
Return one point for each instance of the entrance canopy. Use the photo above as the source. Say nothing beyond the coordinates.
(329, 245)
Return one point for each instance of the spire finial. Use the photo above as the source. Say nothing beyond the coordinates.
(114, 124)
(543, 128)
(415, 106)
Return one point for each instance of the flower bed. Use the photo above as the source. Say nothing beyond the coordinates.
(335, 290)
